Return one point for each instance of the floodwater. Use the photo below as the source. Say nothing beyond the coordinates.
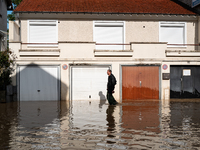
(96, 125)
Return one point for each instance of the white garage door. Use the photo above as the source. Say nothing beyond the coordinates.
(89, 83)
(38, 83)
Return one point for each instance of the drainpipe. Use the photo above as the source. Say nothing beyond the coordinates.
(17, 16)
(198, 32)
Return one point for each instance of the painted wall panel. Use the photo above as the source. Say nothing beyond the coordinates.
(140, 82)
(89, 83)
(38, 83)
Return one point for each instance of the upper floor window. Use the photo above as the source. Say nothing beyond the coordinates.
(173, 32)
(44, 31)
(109, 35)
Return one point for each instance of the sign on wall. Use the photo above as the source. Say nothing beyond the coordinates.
(186, 72)
(164, 67)
(64, 67)
(195, 3)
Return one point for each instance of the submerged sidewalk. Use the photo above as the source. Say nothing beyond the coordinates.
(96, 125)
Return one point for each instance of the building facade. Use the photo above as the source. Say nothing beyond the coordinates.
(4, 6)
(65, 48)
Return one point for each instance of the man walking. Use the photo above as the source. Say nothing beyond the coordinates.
(110, 88)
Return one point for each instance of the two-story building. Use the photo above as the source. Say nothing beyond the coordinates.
(4, 6)
(65, 47)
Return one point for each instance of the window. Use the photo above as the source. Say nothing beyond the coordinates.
(173, 33)
(109, 35)
(43, 32)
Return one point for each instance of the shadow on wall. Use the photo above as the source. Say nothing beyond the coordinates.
(39, 90)
(40, 83)
(39, 108)
(102, 99)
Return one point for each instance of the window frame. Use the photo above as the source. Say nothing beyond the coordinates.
(41, 44)
(174, 23)
(108, 21)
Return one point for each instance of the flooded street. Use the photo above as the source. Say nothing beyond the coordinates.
(96, 125)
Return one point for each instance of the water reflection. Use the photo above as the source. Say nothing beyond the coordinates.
(8, 123)
(111, 123)
(86, 125)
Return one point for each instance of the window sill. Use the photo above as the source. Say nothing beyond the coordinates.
(176, 46)
(182, 53)
(39, 53)
(113, 53)
(42, 46)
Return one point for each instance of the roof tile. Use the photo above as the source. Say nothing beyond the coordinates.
(103, 6)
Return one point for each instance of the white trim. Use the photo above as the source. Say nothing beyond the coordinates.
(116, 23)
(178, 24)
(41, 22)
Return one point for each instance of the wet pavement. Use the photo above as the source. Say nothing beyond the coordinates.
(96, 125)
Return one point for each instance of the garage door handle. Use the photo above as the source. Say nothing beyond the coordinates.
(38, 90)
(140, 83)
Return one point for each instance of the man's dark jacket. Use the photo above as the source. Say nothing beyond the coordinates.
(111, 84)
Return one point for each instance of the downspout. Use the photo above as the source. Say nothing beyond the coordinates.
(198, 32)
(17, 16)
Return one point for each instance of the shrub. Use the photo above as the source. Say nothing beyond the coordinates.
(7, 62)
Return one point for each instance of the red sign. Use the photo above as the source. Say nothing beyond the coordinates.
(165, 67)
(64, 67)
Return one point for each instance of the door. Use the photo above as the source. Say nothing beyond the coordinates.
(140, 82)
(38, 83)
(184, 81)
(89, 83)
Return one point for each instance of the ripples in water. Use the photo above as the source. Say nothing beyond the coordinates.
(96, 125)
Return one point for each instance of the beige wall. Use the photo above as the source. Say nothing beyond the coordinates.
(75, 30)
(76, 50)
(142, 31)
(14, 34)
(135, 31)
(24, 31)
(76, 46)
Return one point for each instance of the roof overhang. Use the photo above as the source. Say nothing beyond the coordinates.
(105, 16)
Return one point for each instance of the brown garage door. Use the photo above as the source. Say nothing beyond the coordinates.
(140, 82)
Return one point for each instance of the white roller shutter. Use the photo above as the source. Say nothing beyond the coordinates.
(43, 32)
(111, 33)
(172, 33)
(89, 83)
(38, 83)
